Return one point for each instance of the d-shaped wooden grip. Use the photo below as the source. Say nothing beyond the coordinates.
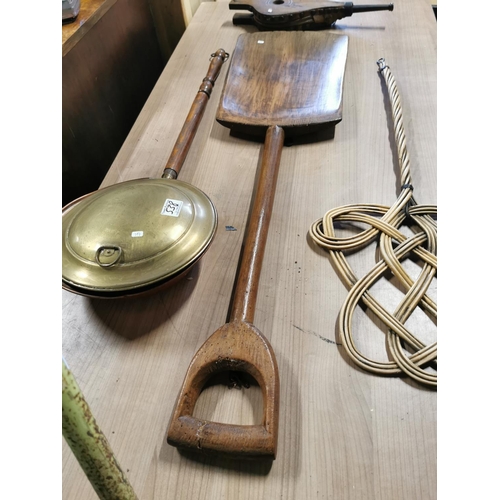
(236, 346)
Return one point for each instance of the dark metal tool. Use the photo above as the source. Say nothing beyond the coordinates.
(289, 15)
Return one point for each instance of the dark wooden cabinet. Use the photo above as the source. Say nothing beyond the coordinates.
(108, 71)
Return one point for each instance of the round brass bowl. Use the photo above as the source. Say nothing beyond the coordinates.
(134, 236)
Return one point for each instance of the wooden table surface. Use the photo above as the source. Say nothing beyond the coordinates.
(344, 433)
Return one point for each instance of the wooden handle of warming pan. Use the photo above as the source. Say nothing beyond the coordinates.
(247, 285)
(193, 119)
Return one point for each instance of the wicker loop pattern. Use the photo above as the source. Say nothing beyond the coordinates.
(384, 223)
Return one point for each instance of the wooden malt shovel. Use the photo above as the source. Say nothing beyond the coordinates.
(277, 82)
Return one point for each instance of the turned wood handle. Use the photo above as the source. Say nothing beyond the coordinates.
(245, 295)
(193, 119)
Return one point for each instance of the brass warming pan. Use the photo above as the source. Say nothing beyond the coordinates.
(141, 234)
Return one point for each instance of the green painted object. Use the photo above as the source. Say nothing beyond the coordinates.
(89, 444)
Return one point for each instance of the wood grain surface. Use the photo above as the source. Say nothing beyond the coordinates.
(343, 433)
(293, 80)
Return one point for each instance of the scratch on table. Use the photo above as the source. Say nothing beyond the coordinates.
(328, 341)
(71, 325)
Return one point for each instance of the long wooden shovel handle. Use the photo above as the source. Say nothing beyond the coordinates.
(193, 119)
(238, 345)
(245, 295)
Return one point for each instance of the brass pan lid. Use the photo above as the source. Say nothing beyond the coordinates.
(134, 235)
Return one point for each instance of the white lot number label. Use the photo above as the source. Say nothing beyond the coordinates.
(172, 208)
